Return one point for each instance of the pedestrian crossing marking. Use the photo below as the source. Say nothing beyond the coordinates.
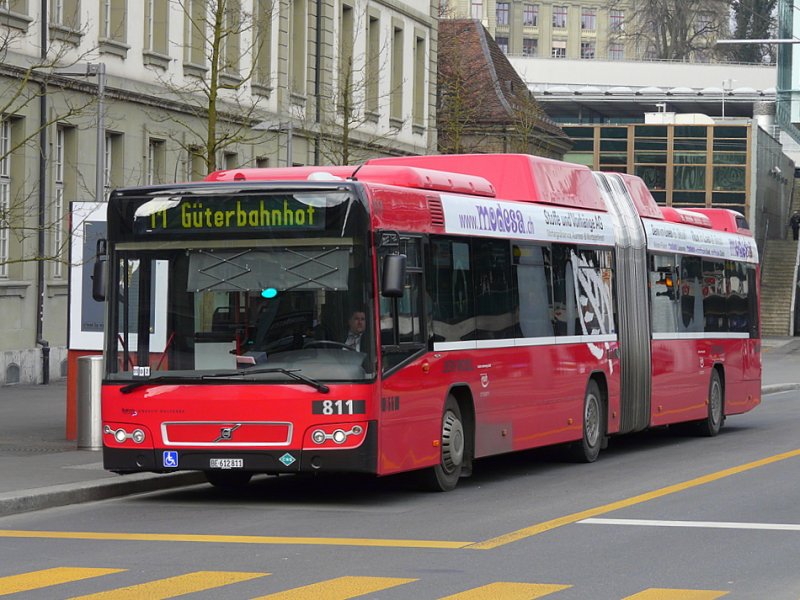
(340, 588)
(508, 591)
(670, 594)
(174, 586)
(36, 580)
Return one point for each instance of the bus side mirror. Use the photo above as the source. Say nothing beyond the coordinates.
(99, 272)
(394, 275)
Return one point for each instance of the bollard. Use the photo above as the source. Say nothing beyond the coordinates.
(90, 378)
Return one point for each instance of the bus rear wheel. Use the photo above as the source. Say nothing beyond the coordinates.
(588, 449)
(229, 480)
(444, 476)
(710, 426)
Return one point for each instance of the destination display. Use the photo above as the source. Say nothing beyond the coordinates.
(227, 214)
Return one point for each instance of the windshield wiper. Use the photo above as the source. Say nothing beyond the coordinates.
(160, 380)
(242, 373)
(293, 373)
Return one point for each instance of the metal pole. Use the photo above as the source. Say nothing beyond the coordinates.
(99, 181)
(289, 136)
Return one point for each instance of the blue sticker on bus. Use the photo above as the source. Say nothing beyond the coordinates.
(171, 458)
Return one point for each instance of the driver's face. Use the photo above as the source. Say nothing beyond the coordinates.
(358, 322)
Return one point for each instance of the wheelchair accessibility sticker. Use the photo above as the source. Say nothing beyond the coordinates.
(171, 458)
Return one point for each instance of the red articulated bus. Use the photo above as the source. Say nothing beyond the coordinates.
(415, 314)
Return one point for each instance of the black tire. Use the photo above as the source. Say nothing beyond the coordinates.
(593, 426)
(710, 426)
(228, 480)
(444, 476)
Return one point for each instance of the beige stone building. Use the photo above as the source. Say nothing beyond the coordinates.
(288, 78)
(608, 30)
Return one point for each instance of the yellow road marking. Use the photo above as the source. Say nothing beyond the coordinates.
(340, 588)
(174, 586)
(229, 539)
(508, 591)
(36, 580)
(527, 532)
(667, 594)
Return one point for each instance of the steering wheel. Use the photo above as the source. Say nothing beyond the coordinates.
(323, 343)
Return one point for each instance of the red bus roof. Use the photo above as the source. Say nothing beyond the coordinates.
(404, 176)
(645, 204)
(517, 176)
(687, 217)
(723, 219)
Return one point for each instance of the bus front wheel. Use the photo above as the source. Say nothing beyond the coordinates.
(444, 476)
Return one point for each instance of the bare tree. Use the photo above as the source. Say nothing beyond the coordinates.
(463, 90)
(753, 20)
(216, 109)
(32, 85)
(677, 29)
(349, 125)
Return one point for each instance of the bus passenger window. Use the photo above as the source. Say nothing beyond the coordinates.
(532, 273)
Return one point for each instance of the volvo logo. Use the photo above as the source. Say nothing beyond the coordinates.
(226, 433)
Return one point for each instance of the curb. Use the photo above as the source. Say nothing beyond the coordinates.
(74, 493)
(779, 387)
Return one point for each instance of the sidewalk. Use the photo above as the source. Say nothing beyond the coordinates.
(40, 469)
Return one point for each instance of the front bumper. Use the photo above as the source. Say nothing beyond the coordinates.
(363, 459)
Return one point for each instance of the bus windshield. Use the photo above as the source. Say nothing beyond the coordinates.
(263, 308)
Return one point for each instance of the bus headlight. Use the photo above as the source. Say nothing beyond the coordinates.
(121, 435)
(351, 435)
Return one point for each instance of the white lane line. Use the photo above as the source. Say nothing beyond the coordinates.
(695, 524)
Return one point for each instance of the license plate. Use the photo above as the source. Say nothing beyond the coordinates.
(226, 463)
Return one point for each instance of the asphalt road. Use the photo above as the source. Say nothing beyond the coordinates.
(693, 517)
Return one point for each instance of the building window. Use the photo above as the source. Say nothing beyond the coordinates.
(346, 42)
(589, 19)
(195, 164)
(231, 46)
(156, 162)
(263, 68)
(373, 64)
(502, 42)
(112, 164)
(502, 13)
(195, 32)
(58, 202)
(559, 17)
(476, 9)
(587, 50)
(297, 48)
(616, 51)
(530, 47)
(530, 15)
(396, 96)
(559, 49)
(616, 20)
(230, 160)
(5, 194)
(66, 13)
(420, 95)
(113, 20)
(156, 26)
